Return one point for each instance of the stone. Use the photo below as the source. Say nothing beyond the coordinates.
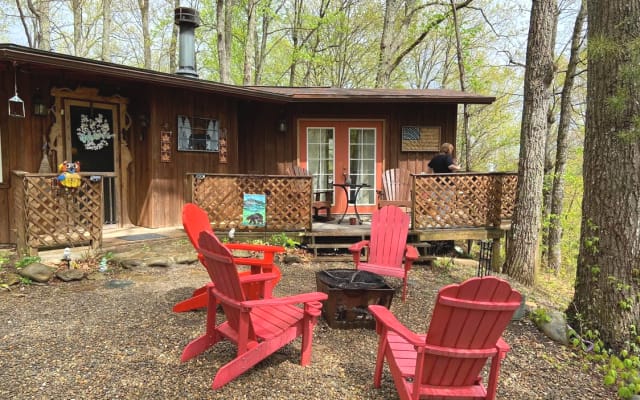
(118, 284)
(556, 329)
(522, 311)
(130, 263)
(159, 262)
(10, 279)
(69, 275)
(37, 272)
(186, 259)
(96, 276)
(291, 259)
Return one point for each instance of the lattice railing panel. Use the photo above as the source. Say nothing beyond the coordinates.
(288, 199)
(48, 215)
(462, 200)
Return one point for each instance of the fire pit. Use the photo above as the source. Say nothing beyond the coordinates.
(350, 292)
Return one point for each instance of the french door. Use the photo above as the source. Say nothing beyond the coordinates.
(348, 151)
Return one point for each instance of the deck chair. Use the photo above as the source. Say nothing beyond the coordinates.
(318, 203)
(396, 188)
(257, 327)
(465, 331)
(389, 253)
(195, 221)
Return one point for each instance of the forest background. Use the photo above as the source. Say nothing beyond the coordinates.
(351, 44)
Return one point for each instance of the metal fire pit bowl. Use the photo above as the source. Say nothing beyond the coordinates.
(350, 293)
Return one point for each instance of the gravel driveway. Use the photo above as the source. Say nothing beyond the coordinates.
(90, 340)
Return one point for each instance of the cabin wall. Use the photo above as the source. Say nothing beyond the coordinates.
(274, 152)
(21, 140)
(160, 187)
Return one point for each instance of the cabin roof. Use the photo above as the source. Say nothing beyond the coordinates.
(42, 60)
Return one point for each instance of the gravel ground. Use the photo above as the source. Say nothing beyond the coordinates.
(83, 340)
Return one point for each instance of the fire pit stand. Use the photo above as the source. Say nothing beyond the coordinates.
(350, 292)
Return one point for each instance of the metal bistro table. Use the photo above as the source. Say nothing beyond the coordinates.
(351, 190)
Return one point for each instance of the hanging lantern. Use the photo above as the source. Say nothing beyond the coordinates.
(16, 105)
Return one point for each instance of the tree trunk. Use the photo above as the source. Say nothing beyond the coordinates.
(221, 29)
(105, 53)
(146, 37)
(522, 252)
(173, 44)
(249, 47)
(465, 114)
(77, 27)
(607, 288)
(557, 190)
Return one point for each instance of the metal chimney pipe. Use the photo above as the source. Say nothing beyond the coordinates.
(188, 20)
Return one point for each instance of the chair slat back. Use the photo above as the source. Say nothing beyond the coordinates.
(396, 184)
(389, 229)
(471, 315)
(224, 274)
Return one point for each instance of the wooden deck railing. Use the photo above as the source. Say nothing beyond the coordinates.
(469, 200)
(462, 200)
(221, 195)
(47, 215)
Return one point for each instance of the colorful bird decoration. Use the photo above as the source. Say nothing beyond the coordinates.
(69, 177)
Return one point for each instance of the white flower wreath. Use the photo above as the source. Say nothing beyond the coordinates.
(94, 133)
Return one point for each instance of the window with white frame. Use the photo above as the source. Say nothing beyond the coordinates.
(198, 134)
(320, 158)
(362, 162)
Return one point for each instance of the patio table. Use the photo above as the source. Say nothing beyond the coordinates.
(351, 190)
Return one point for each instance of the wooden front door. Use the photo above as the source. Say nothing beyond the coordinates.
(343, 150)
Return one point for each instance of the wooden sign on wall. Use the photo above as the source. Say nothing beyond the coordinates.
(421, 138)
(165, 146)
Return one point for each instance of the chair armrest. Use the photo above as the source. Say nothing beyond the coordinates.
(385, 318)
(411, 253)
(267, 251)
(357, 247)
(263, 248)
(296, 299)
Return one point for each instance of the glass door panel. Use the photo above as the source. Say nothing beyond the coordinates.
(321, 158)
(362, 162)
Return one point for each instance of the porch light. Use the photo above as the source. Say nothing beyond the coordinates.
(282, 126)
(39, 108)
(16, 105)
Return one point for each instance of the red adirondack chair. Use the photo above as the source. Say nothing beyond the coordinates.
(389, 253)
(195, 221)
(465, 331)
(257, 327)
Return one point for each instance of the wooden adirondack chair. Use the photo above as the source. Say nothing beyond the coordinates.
(465, 331)
(195, 221)
(396, 188)
(318, 203)
(389, 253)
(257, 327)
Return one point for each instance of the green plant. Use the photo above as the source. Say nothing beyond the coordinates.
(540, 316)
(25, 281)
(4, 258)
(26, 260)
(281, 239)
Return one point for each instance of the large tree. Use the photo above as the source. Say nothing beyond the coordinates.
(607, 289)
(522, 252)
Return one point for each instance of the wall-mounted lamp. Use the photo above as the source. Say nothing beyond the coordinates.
(143, 121)
(282, 126)
(16, 105)
(39, 107)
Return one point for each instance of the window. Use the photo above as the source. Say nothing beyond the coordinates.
(197, 134)
(320, 154)
(362, 162)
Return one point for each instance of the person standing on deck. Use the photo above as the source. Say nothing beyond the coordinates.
(444, 162)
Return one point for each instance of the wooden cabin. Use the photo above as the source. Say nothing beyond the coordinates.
(144, 139)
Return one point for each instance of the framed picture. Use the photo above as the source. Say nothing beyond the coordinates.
(165, 146)
(421, 138)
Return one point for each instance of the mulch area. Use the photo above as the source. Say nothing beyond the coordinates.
(87, 340)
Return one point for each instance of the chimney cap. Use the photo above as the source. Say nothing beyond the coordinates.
(187, 15)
